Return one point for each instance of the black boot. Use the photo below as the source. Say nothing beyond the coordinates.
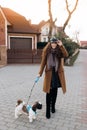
(47, 114)
(48, 106)
(53, 99)
(53, 109)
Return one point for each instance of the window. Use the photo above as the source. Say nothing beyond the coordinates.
(46, 30)
(44, 39)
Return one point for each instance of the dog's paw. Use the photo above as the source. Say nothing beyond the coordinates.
(34, 117)
(16, 117)
(30, 120)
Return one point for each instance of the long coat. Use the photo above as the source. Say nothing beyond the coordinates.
(48, 73)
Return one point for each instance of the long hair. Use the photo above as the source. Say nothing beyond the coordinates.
(47, 49)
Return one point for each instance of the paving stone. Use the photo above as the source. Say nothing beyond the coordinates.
(16, 81)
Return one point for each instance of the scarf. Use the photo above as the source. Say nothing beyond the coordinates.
(52, 60)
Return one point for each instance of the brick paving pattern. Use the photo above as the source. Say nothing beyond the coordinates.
(16, 82)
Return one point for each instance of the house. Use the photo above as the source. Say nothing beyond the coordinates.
(15, 33)
(18, 37)
(83, 43)
(44, 27)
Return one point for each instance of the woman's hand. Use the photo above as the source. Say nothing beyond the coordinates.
(38, 75)
(59, 43)
(37, 78)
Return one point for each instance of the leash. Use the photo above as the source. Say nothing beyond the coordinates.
(36, 80)
(31, 92)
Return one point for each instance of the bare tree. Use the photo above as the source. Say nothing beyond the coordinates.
(51, 19)
(52, 23)
(69, 13)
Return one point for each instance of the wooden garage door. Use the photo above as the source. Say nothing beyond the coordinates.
(20, 43)
(20, 50)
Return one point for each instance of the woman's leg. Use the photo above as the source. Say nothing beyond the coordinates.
(48, 100)
(53, 99)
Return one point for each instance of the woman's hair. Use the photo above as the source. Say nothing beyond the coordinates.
(47, 49)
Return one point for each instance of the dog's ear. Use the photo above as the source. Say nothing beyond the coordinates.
(37, 105)
(34, 107)
(19, 102)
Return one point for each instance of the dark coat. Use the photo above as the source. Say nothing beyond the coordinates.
(48, 73)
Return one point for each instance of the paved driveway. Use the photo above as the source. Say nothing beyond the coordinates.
(16, 82)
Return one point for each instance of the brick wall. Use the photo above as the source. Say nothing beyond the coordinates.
(2, 30)
(3, 50)
(3, 55)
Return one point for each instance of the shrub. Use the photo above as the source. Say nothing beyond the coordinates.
(41, 45)
(70, 46)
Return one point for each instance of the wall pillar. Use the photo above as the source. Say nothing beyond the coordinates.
(3, 55)
(3, 39)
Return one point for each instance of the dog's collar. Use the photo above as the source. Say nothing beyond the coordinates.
(29, 107)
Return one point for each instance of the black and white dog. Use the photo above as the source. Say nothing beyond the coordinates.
(21, 108)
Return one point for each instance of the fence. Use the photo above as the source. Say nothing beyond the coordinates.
(24, 56)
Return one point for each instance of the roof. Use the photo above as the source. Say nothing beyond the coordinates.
(41, 24)
(83, 43)
(19, 24)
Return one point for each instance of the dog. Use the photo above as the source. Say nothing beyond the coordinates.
(22, 108)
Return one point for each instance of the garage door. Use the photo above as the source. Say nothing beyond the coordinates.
(20, 43)
(20, 50)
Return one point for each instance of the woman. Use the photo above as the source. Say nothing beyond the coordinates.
(52, 61)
